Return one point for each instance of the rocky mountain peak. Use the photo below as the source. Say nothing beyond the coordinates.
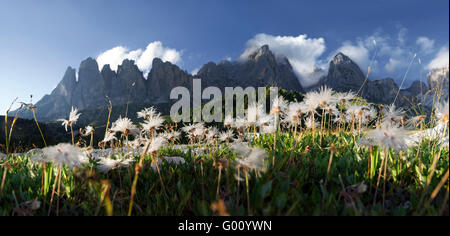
(262, 53)
(341, 58)
(344, 74)
(89, 64)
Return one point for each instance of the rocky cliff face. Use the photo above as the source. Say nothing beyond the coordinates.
(163, 77)
(128, 84)
(345, 75)
(262, 68)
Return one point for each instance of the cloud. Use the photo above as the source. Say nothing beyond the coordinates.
(393, 65)
(391, 54)
(358, 52)
(441, 59)
(425, 44)
(142, 58)
(303, 53)
(195, 71)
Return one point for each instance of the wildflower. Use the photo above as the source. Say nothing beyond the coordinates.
(343, 98)
(325, 97)
(311, 102)
(240, 123)
(392, 114)
(156, 144)
(254, 113)
(265, 120)
(212, 134)
(65, 154)
(173, 136)
(389, 137)
(125, 126)
(294, 113)
(146, 113)
(107, 164)
(254, 160)
(228, 122)
(442, 113)
(415, 121)
(310, 123)
(73, 118)
(226, 136)
(109, 136)
(279, 105)
(188, 129)
(88, 130)
(199, 130)
(153, 123)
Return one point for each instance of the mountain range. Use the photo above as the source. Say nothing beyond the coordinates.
(128, 84)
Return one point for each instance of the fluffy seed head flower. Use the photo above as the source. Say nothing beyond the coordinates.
(389, 137)
(125, 126)
(88, 130)
(146, 113)
(279, 105)
(325, 96)
(152, 123)
(442, 113)
(73, 118)
(107, 164)
(65, 154)
(109, 136)
(343, 98)
(229, 121)
(311, 101)
(254, 159)
(310, 123)
(226, 136)
(156, 144)
(392, 115)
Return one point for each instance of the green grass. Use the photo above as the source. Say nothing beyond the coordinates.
(296, 188)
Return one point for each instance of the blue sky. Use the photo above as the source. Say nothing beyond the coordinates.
(39, 39)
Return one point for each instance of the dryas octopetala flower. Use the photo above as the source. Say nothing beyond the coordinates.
(325, 96)
(146, 113)
(311, 102)
(415, 121)
(73, 118)
(172, 136)
(343, 98)
(442, 113)
(228, 121)
(392, 115)
(109, 136)
(294, 113)
(310, 123)
(124, 126)
(279, 105)
(212, 134)
(107, 164)
(156, 144)
(389, 136)
(152, 123)
(226, 136)
(88, 130)
(254, 159)
(65, 154)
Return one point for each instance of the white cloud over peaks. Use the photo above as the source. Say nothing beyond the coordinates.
(358, 52)
(142, 58)
(425, 44)
(441, 60)
(303, 53)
